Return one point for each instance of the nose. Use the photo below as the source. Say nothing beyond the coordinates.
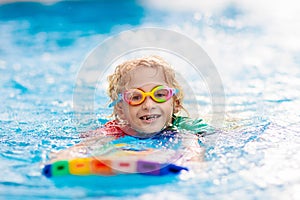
(148, 104)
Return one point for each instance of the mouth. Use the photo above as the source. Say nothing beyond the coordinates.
(149, 118)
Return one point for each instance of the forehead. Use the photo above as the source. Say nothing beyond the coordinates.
(142, 75)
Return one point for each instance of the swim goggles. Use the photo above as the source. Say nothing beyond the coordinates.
(134, 97)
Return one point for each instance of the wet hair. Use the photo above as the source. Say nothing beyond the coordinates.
(118, 81)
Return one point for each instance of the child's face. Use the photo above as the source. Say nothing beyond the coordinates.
(150, 116)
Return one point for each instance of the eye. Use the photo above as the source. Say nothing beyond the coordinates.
(134, 96)
(162, 93)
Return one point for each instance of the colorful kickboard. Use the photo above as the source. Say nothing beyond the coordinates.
(117, 158)
(94, 166)
(127, 155)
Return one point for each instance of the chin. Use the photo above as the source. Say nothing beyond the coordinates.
(150, 130)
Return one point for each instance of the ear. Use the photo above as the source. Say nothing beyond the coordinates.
(177, 106)
(119, 108)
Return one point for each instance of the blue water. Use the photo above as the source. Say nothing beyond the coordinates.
(42, 46)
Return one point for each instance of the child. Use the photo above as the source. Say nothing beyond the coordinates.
(145, 97)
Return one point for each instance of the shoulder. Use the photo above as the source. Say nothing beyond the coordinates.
(197, 126)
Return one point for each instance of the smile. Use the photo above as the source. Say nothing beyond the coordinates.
(149, 117)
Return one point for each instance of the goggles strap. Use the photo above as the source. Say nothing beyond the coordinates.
(115, 101)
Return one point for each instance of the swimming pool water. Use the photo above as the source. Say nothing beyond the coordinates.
(254, 156)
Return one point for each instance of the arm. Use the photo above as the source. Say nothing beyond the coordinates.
(82, 149)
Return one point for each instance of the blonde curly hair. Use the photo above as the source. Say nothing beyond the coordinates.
(118, 80)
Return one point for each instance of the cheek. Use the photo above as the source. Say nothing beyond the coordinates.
(131, 111)
(169, 108)
(124, 112)
(168, 112)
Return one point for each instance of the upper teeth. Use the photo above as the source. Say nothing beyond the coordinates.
(149, 117)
